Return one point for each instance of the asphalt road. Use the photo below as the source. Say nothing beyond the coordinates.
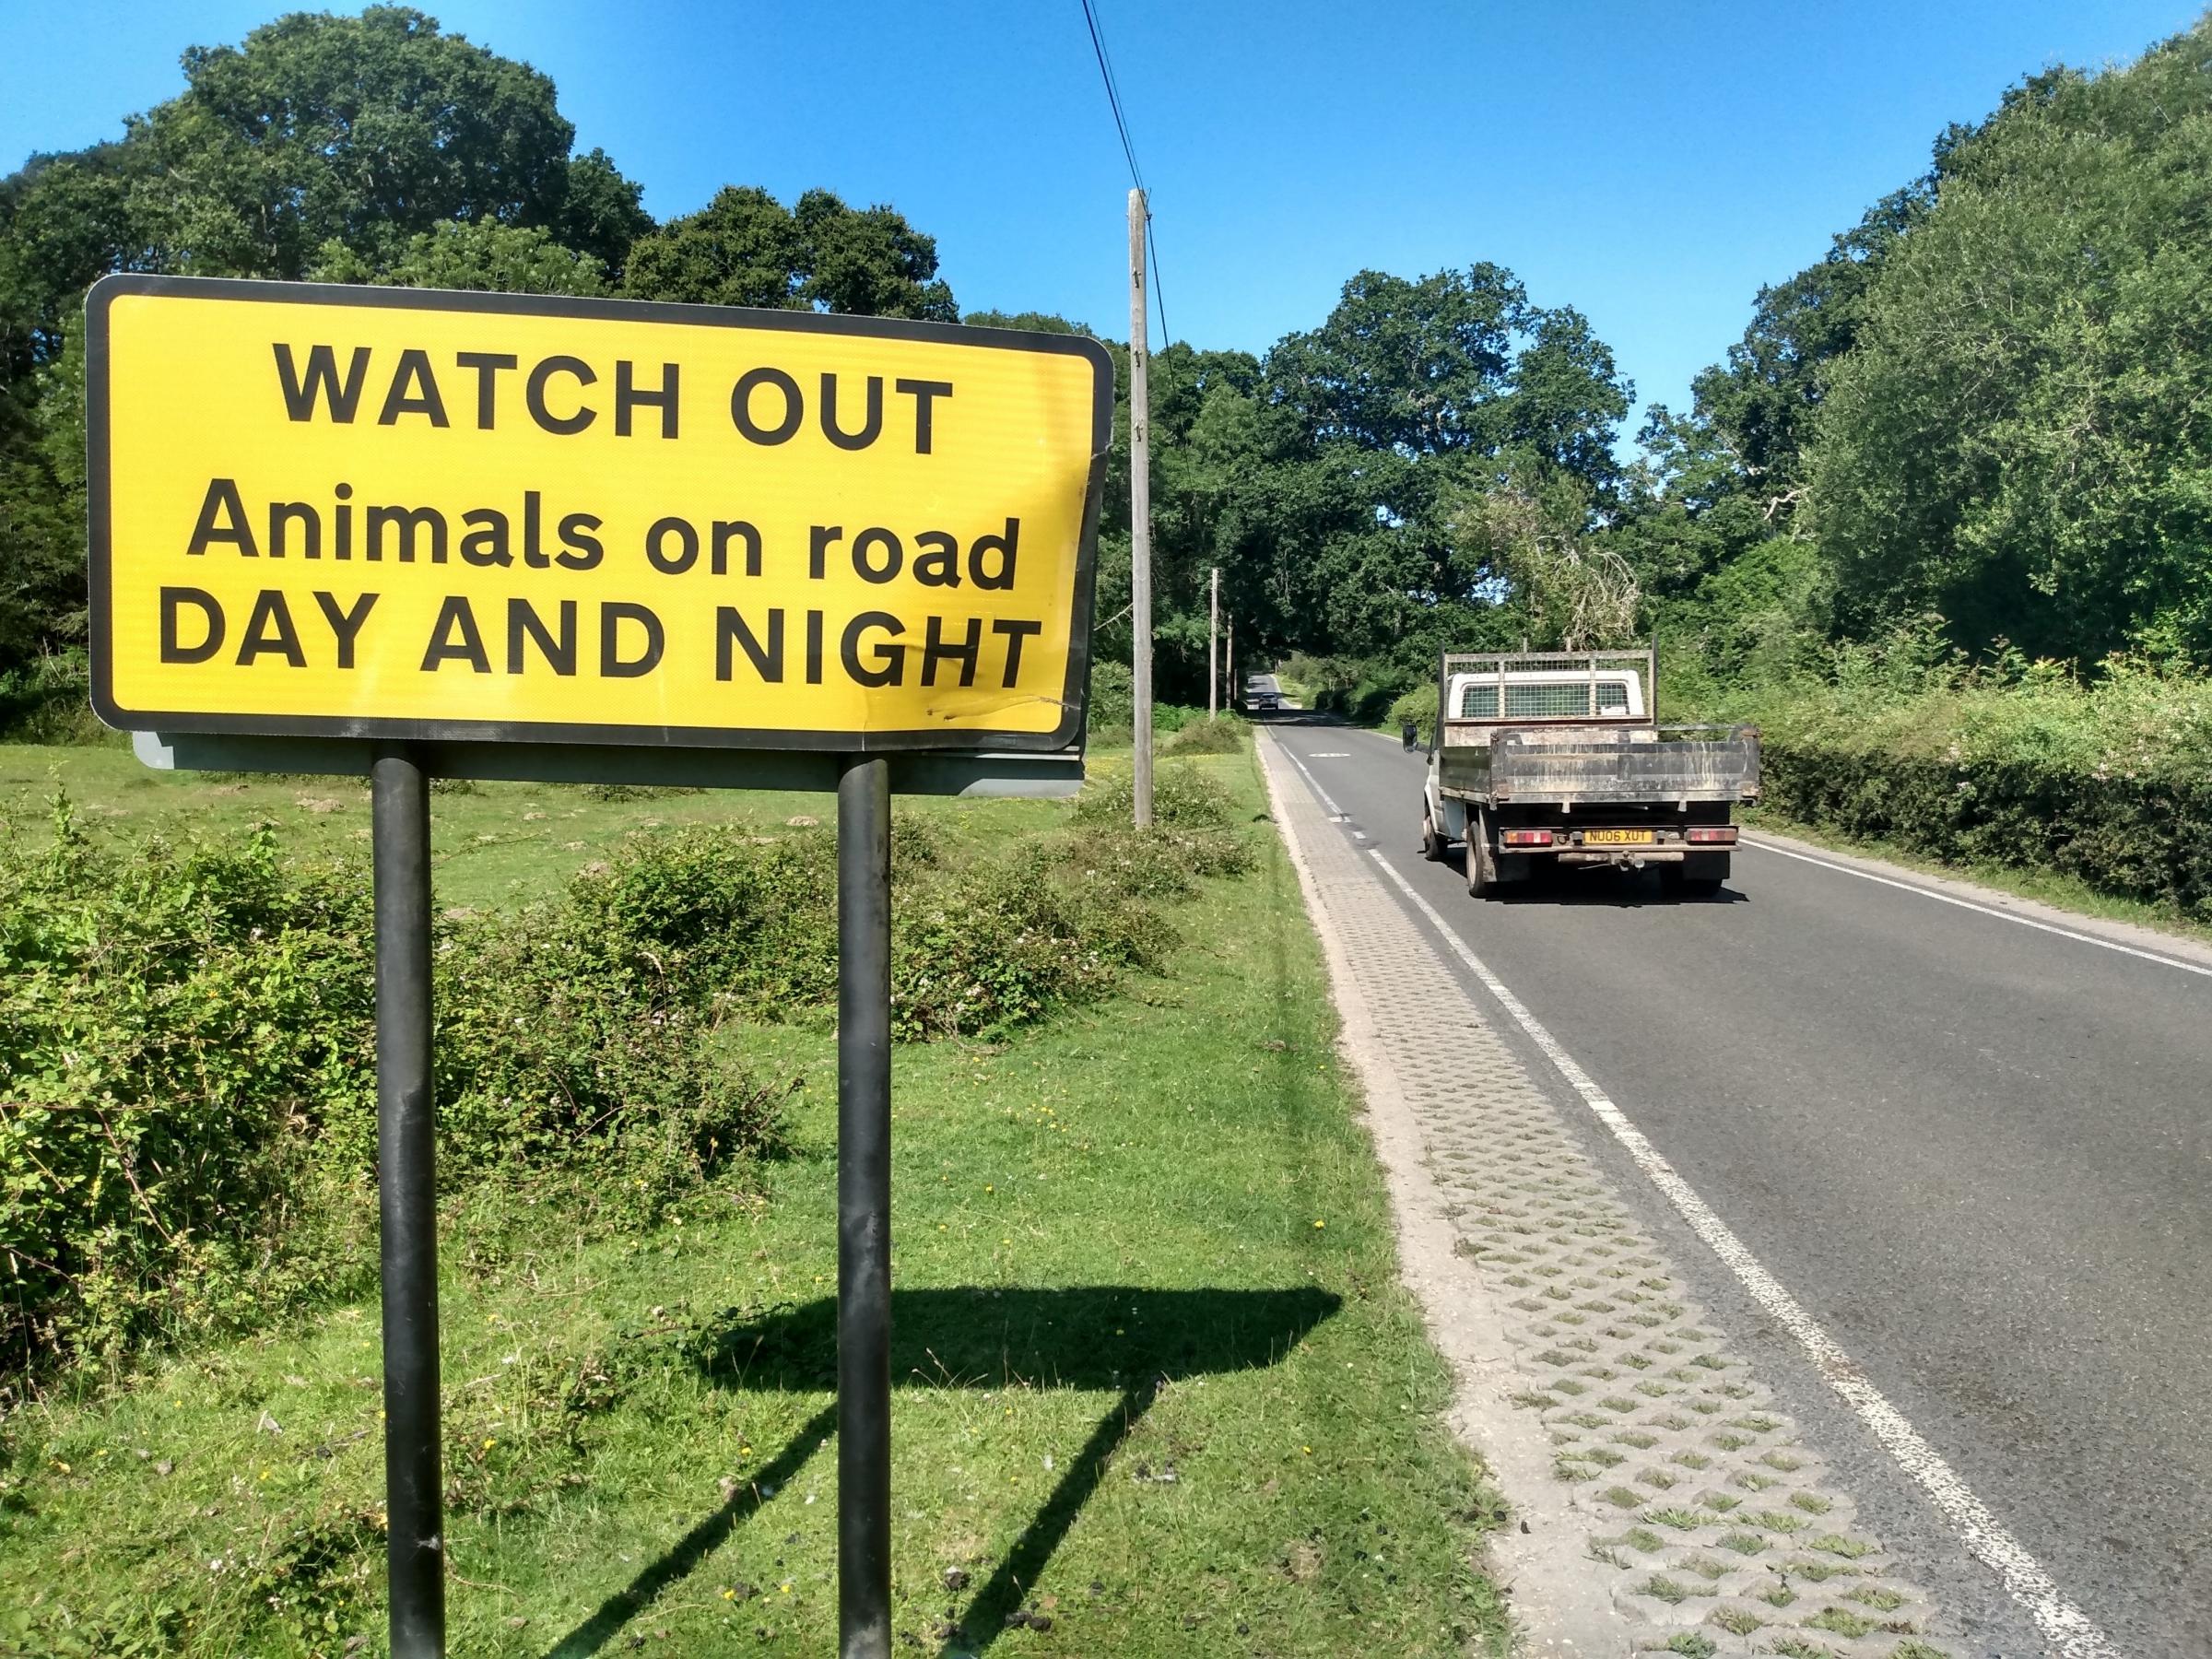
(1979, 1154)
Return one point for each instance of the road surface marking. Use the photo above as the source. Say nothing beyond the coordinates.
(1987, 910)
(2071, 1631)
(1335, 811)
(1330, 754)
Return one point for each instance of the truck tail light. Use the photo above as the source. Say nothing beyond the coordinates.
(1713, 835)
(1526, 838)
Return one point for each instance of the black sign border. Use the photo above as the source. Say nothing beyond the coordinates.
(108, 289)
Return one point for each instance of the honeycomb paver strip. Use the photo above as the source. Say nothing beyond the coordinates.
(1716, 1528)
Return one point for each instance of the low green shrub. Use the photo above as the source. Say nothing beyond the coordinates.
(187, 1081)
(1113, 704)
(1224, 734)
(1317, 680)
(1110, 717)
(1002, 945)
(47, 699)
(637, 792)
(176, 1026)
(1365, 703)
(1416, 708)
(715, 924)
(1183, 796)
(1165, 862)
(698, 916)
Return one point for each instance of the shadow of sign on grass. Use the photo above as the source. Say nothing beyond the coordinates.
(1125, 1340)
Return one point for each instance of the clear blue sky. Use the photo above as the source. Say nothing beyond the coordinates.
(1650, 163)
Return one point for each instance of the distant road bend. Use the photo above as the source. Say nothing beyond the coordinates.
(1977, 1153)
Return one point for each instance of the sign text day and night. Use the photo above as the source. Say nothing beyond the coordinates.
(406, 515)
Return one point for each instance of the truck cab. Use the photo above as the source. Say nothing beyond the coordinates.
(1545, 761)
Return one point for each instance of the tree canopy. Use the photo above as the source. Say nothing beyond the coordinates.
(747, 248)
(1982, 412)
(376, 148)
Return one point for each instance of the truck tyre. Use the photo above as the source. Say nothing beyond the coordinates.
(1482, 864)
(1432, 844)
(1699, 875)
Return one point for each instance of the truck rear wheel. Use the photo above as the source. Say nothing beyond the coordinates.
(1699, 875)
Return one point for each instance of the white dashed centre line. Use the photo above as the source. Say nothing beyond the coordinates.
(1335, 811)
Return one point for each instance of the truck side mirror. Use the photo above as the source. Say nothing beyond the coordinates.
(1409, 734)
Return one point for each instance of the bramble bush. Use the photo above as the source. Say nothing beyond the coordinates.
(187, 1082)
(187, 1079)
(1182, 797)
(175, 1024)
(1005, 944)
(42, 700)
(1223, 735)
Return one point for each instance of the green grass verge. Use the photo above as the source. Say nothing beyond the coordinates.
(1159, 1390)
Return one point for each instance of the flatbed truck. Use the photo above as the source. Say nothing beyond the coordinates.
(1552, 760)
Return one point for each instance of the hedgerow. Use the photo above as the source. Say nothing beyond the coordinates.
(2110, 783)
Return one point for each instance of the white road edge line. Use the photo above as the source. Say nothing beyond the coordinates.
(1335, 811)
(1987, 910)
(2071, 1631)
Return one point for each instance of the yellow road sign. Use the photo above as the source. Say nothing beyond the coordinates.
(398, 513)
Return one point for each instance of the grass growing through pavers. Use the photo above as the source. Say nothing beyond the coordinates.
(1159, 1389)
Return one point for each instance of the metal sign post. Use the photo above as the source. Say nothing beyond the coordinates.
(408, 534)
(407, 1124)
(864, 1209)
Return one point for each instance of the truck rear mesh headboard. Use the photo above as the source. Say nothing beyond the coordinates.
(1556, 701)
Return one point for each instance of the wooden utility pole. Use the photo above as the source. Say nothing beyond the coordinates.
(1231, 676)
(1213, 633)
(1140, 510)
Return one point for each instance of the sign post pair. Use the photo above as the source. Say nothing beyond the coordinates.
(405, 534)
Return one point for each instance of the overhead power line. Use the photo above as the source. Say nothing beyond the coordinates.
(1136, 176)
(1159, 294)
(1113, 94)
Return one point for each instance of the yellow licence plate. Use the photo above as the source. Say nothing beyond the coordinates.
(1617, 838)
